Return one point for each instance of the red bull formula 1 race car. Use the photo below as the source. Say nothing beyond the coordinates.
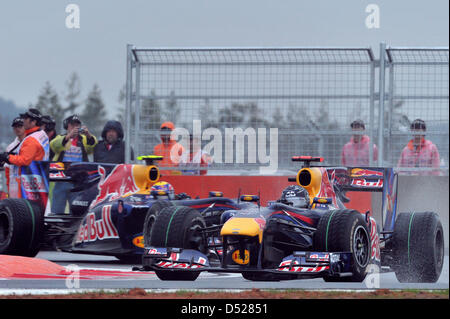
(113, 206)
(308, 232)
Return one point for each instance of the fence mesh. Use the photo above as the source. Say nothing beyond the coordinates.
(418, 88)
(310, 95)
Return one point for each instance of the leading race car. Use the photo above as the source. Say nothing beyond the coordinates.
(113, 206)
(306, 233)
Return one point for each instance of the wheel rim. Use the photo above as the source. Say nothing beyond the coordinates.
(361, 246)
(4, 228)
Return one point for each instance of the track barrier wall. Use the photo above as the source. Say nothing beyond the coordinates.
(268, 187)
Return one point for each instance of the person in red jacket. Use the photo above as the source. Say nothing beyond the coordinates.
(419, 152)
(34, 147)
(356, 152)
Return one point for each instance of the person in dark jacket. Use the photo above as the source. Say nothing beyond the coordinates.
(111, 149)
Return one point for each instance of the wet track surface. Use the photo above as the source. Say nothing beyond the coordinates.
(205, 280)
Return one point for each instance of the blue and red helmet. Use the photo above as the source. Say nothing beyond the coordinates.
(163, 190)
(296, 196)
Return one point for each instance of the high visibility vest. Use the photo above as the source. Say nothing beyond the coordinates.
(15, 171)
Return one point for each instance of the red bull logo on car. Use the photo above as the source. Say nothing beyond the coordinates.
(92, 229)
(375, 241)
(367, 183)
(120, 182)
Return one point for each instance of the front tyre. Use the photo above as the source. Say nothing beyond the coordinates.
(150, 218)
(178, 226)
(345, 231)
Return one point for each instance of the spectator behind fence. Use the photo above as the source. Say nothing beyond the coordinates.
(33, 147)
(112, 148)
(48, 125)
(419, 152)
(168, 148)
(356, 152)
(196, 160)
(74, 146)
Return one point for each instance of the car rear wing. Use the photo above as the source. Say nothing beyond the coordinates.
(338, 180)
(370, 179)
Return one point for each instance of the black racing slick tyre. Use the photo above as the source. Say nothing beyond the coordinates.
(150, 218)
(345, 230)
(418, 247)
(178, 226)
(21, 227)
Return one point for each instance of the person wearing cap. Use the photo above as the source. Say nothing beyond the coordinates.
(419, 152)
(74, 146)
(19, 131)
(168, 148)
(356, 151)
(111, 149)
(33, 147)
(48, 125)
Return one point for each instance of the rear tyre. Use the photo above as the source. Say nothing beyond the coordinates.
(418, 247)
(345, 231)
(178, 226)
(150, 218)
(21, 227)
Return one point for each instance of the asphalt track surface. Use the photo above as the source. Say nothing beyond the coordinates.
(206, 280)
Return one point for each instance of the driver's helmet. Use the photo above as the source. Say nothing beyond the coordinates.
(163, 190)
(296, 196)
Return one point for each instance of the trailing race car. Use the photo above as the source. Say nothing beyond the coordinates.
(113, 206)
(308, 232)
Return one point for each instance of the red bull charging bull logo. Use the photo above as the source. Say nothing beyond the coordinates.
(120, 182)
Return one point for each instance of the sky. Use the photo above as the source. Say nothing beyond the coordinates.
(37, 46)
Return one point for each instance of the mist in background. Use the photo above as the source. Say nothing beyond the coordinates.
(36, 46)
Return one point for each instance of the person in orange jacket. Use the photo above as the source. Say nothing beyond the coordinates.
(168, 148)
(34, 147)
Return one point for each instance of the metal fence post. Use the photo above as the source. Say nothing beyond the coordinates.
(381, 105)
(391, 110)
(128, 106)
(372, 111)
(137, 113)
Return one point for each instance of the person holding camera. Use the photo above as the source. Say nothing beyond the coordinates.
(74, 146)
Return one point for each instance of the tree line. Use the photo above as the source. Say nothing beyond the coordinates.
(91, 110)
